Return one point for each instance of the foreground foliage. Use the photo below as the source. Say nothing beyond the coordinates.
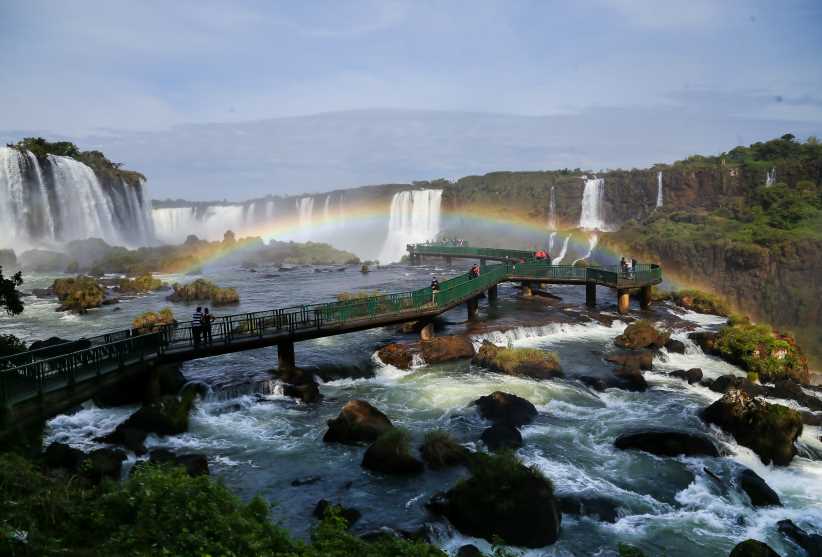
(9, 295)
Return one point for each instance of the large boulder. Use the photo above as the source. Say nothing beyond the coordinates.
(769, 429)
(668, 443)
(641, 334)
(166, 416)
(693, 375)
(391, 454)
(358, 422)
(505, 408)
(502, 436)
(674, 346)
(752, 548)
(56, 346)
(502, 499)
(759, 492)
(522, 362)
(602, 508)
(397, 355)
(811, 543)
(447, 348)
(299, 383)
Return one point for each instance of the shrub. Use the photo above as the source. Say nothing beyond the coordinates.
(153, 321)
(143, 283)
(509, 358)
(753, 377)
(78, 294)
(440, 450)
(203, 290)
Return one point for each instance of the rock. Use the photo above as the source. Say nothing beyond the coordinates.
(693, 375)
(675, 346)
(504, 499)
(668, 443)
(60, 455)
(194, 464)
(811, 543)
(397, 355)
(391, 454)
(103, 463)
(447, 348)
(502, 436)
(305, 480)
(643, 360)
(602, 508)
(641, 334)
(350, 515)
(110, 301)
(724, 383)
(752, 548)
(299, 384)
(131, 438)
(440, 450)
(469, 551)
(358, 422)
(791, 390)
(769, 429)
(167, 416)
(809, 418)
(521, 362)
(758, 491)
(705, 340)
(596, 383)
(630, 378)
(505, 408)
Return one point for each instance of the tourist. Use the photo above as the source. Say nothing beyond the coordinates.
(475, 271)
(197, 325)
(435, 287)
(623, 265)
(207, 320)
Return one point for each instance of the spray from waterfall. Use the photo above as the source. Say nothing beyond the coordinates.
(593, 239)
(590, 217)
(414, 218)
(557, 260)
(659, 189)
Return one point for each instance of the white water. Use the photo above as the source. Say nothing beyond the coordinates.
(327, 209)
(43, 204)
(593, 240)
(592, 201)
(414, 218)
(659, 189)
(552, 210)
(770, 177)
(173, 225)
(305, 216)
(557, 260)
(551, 241)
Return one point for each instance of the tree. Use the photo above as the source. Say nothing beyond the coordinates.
(229, 237)
(9, 295)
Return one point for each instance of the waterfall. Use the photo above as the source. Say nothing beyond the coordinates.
(327, 209)
(552, 210)
(557, 260)
(341, 209)
(46, 202)
(591, 216)
(414, 218)
(770, 177)
(592, 243)
(659, 189)
(269, 210)
(305, 213)
(551, 241)
(208, 222)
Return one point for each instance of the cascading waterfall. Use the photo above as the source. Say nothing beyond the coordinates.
(770, 177)
(414, 218)
(552, 210)
(46, 202)
(551, 238)
(592, 201)
(557, 260)
(327, 209)
(593, 240)
(659, 189)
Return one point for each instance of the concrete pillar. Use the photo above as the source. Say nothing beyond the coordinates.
(492, 293)
(427, 332)
(526, 289)
(590, 294)
(623, 301)
(285, 355)
(645, 297)
(472, 306)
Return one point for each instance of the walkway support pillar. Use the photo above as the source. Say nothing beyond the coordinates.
(427, 331)
(623, 301)
(645, 297)
(285, 355)
(591, 294)
(492, 293)
(526, 289)
(472, 305)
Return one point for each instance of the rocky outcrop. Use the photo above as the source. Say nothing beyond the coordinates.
(166, 416)
(505, 408)
(787, 389)
(502, 436)
(641, 334)
(397, 355)
(668, 443)
(693, 375)
(502, 499)
(521, 362)
(358, 422)
(447, 348)
(391, 454)
(768, 429)
(758, 491)
(811, 543)
(299, 384)
(753, 548)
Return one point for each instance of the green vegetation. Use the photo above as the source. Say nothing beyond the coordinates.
(78, 294)
(9, 295)
(758, 349)
(140, 285)
(153, 321)
(204, 290)
(157, 511)
(626, 550)
(357, 296)
(440, 450)
(511, 358)
(10, 345)
(309, 253)
(700, 301)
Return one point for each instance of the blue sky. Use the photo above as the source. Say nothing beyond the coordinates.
(524, 82)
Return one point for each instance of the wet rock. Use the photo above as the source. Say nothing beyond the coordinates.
(675, 346)
(299, 384)
(358, 422)
(809, 418)
(791, 390)
(351, 515)
(305, 480)
(668, 443)
(447, 348)
(693, 375)
(505, 408)
(596, 383)
(769, 429)
(502, 436)
(725, 383)
(440, 450)
(630, 379)
(391, 454)
(469, 551)
(502, 499)
(103, 463)
(632, 361)
(60, 455)
(752, 548)
(705, 340)
(131, 438)
(641, 334)
(759, 492)
(167, 416)
(811, 543)
(397, 355)
(602, 508)
(194, 464)
(521, 362)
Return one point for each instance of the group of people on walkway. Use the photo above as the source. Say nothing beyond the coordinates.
(201, 321)
(542, 254)
(628, 269)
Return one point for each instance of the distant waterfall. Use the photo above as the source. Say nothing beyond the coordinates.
(593, 240)
(414, 218)
(557, 260)
(305, 216)
(659, 189)
(327, 209)
(341, 209)
(770, 177)
(551, 238)
(592, 200)
(552, 210)
(46, 202)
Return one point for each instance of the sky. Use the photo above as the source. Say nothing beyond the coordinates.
(234, 100)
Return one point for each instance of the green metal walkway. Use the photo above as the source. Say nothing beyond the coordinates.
(30, 376)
